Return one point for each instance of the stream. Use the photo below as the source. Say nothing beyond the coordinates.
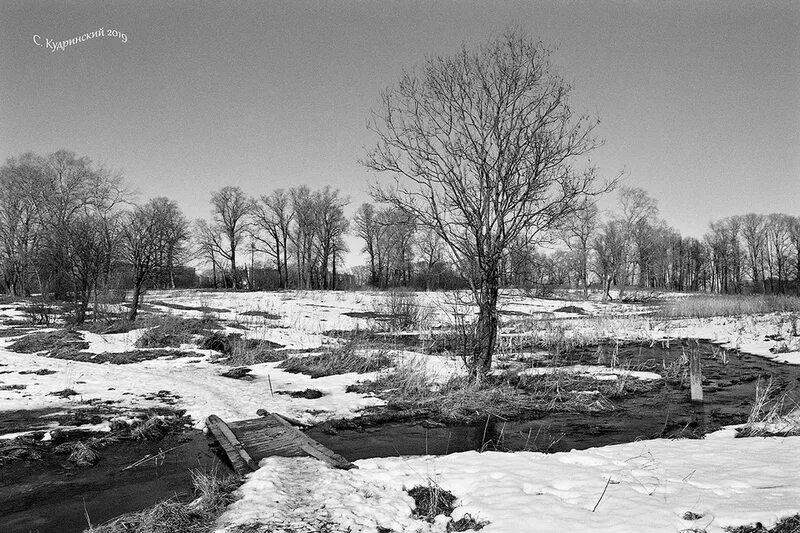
(52, 495)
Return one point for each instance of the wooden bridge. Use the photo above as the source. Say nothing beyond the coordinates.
(246, 442)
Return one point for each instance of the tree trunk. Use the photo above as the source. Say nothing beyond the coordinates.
(233, 268)
(485, 329)
(137, 290)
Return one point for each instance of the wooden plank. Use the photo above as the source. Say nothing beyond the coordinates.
(240, 459)
(696, 376)
(315, 449)
(248, 441)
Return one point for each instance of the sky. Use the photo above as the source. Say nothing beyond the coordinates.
(699, 102)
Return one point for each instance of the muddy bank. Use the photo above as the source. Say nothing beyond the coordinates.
(729, 383)
(53, 495)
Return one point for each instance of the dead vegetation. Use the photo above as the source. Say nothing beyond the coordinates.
(214, 492)
(508, 396)
(171, 331)
(432, 500)
(774, 414)
(348, 357)
(238, 351)
(57, 343)
(790, 524)
(707, 305)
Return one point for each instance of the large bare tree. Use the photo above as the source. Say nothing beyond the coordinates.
(484, 149)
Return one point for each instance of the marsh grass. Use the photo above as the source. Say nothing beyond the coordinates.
(213, 492)
(707, 305)
(56, 342)
(236, 350)
(171, 331)
(345, 358)
(773, 414)
(509, 395)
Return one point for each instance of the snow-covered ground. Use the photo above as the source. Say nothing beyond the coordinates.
(646, 486)
(652, 483)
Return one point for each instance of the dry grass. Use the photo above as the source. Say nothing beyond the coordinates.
(55, 342)
(346, 358)
(410, 389)
(790, 524)
(772, 414)
(400, 310)
(214, 493)
(171, 331)
(700, 306)
(238, 351)
(432, 500)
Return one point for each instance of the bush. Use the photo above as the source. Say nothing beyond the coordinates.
(400, 311)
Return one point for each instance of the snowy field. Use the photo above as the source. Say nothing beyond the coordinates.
(643, 486)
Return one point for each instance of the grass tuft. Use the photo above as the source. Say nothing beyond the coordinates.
(214, 493)
(431, 500)
(772, 414)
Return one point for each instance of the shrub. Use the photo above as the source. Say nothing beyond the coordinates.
(401, 310)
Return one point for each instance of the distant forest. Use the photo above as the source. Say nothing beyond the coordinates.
(70, 230)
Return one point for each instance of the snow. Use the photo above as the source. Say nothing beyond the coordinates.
(196, 382)
(652, 485)
(602, 373)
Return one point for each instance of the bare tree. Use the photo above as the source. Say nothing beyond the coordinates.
(610, 253)
(208, 240)
(483, 147)
(794, 235)
(754, 235)
(272, 218)
(369, 230)
(330, 225)
(150, 236)
(230, 209)
(577, 234)
(638, 211)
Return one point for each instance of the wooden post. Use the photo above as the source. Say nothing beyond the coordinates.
(696, 375)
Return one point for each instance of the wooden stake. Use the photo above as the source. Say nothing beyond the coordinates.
(696, 375)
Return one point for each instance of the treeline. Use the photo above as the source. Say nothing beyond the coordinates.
(633, 246)
(299, 231)
(295, 238)
(68, 230)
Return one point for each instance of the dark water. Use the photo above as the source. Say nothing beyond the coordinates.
(665, 411)
(54, 496)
